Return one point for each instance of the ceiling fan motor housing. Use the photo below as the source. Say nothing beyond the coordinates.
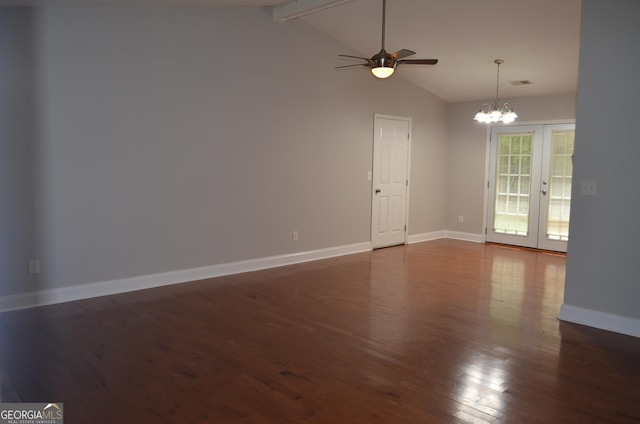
(382, 60)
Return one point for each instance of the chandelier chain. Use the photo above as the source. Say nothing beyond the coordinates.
(497, 83)
(498, 62)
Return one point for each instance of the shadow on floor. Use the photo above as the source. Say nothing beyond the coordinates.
(7, 393)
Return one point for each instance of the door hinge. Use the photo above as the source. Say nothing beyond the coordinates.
(405, 228)
(407, 183)
(487, 184)
(485, 231)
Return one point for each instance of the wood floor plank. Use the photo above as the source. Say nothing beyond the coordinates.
(436, 332)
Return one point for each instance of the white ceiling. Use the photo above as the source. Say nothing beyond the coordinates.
(537, 39)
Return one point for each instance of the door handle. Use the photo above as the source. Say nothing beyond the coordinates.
(378, 190)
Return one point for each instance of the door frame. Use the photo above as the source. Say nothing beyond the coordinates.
(409, 120)
(487, 162)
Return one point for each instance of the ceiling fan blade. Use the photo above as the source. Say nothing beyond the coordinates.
(418, 61)
(353, 57)
(350, 66)
(400, 54)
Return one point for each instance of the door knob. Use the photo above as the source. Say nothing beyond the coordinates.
(377, 190)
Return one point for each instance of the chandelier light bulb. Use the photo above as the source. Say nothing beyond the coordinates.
(509, 117)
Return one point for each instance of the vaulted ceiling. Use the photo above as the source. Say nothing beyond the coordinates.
(537, 39)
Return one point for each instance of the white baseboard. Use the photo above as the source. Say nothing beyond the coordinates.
(104, 288)
(457, 235)
(435, 235)
(419, 238)
(602, 320)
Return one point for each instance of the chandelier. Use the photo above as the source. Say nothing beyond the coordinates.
(491, 114)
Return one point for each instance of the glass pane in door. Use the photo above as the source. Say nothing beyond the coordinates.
(513, 184)
(561, 169)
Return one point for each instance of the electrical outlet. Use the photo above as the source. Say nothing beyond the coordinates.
(34, 266)
(589, 188)
(294, 236)
(460, 218)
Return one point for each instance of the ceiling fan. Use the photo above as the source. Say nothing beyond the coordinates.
(383, 64)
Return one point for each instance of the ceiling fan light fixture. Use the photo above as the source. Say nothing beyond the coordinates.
(382, 65)
(493, 114)
(382, 72)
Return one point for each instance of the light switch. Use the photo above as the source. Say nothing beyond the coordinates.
(589, 188)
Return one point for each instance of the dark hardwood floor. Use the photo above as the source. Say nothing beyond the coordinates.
(436, 332)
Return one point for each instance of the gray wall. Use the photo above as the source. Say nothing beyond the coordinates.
(163, 145)
(175, 138)
(17, 139)
(602, 264)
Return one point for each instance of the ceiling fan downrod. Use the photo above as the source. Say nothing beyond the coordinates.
(384, 13)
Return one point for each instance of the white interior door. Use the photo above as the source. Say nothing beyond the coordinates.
(390, 180)
(530, 185)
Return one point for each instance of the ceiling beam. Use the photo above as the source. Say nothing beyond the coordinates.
(296, 8)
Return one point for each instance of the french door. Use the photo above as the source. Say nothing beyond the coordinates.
(530, 185)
